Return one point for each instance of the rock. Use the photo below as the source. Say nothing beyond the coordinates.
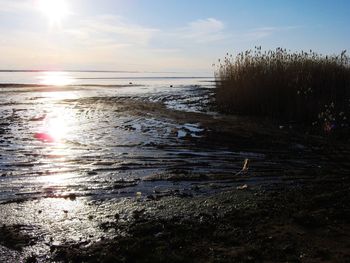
(242, 187)
(245, 165)
(116, 216)
(72, 197)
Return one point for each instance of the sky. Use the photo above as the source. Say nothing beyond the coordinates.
(162, 35)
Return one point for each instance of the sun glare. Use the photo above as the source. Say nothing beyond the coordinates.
(54, 10)
(55, 78)
(57, 128)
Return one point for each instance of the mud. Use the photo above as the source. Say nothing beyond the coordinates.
(292, 224)
(149, 174)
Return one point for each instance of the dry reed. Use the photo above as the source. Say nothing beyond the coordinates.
(305, 86)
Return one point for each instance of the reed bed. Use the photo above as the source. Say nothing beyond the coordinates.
(305, 87)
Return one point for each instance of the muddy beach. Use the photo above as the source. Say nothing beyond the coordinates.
(149, 174)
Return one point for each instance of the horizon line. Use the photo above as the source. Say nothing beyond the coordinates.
(92, 71)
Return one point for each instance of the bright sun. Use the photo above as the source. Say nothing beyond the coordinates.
(55, 10)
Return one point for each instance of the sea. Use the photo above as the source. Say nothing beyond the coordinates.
(92, 77)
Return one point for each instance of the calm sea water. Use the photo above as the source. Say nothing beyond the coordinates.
(96, 138)
(102, 78)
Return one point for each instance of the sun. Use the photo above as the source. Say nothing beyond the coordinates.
(54, 10)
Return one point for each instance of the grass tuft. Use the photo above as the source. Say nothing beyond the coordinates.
(306, 87)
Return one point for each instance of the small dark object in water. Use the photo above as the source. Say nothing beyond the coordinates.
(116, 216)
(72, 197)
(130, 83)
(171, 86)
(40, 211)
(65, 211)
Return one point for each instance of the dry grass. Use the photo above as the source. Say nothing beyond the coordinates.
(306, 87)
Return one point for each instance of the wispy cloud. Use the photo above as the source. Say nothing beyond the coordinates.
(211, 32)
(263, 32)
(108, 29)
(202, 31)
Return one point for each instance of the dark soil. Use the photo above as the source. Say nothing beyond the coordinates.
(308, 223)
(16, 237)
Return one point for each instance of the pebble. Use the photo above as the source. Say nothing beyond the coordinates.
(242, 187)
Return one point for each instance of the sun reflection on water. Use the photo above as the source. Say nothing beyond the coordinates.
(56, 129)
(56, 78)
(57, 125)
(56, 180)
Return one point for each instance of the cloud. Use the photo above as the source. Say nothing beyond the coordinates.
(209, 25)
(263, 32)
(109, 29)
(260, 32)
(202, 31)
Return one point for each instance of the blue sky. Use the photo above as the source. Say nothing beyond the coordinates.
(160, 35)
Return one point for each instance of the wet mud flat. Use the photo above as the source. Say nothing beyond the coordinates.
(145, 174)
